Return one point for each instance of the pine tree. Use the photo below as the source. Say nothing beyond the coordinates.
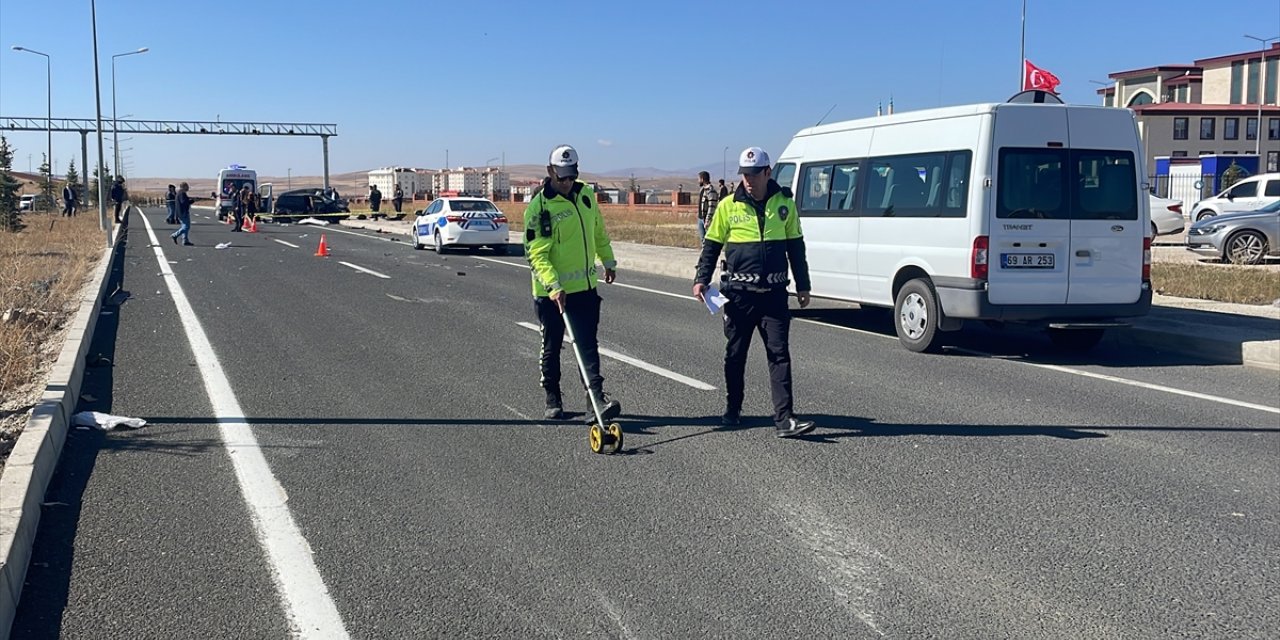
(10, 217)
(73, 178)
(46, 178)
(105, 174)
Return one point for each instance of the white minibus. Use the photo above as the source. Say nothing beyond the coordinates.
(1005, 212)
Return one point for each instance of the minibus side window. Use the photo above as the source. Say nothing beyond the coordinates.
(815, 189)
(905, 186)
(784, 174)
(956, 192)
(844, 187)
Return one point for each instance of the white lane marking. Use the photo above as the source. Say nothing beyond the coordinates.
(287, 244)
(517, 412)
(368, 271)
(362, 235)
(850, 566)
(836, 326)
(641, 364)
(1126, 381)
(509, 264)
(688, 298)
(307, 603)
(615, 614)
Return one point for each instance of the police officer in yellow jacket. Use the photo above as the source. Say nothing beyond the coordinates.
(564, 234)
(759, 231)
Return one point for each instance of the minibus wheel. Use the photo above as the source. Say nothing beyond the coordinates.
(916, 316)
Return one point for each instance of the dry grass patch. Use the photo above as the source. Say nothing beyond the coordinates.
(1223, 283)
(42, 270)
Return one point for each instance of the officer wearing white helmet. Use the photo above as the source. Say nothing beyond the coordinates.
(564, 235)
(759, 231)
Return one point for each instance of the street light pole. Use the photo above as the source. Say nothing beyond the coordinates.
(115, 123)
(289, 178)
(48, 66)
(724, 164)
(97, 93)
(1262, 94)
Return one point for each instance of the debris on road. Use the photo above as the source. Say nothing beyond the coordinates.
(106, 422)
(315, 221)
(222, 245)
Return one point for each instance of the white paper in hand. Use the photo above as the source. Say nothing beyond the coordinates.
(713, 299)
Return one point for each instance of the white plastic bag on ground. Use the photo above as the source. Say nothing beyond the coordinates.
(223, 245)
(106, 422)
(315, 221)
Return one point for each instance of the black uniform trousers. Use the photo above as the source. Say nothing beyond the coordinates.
(583, 309)
(767, 313)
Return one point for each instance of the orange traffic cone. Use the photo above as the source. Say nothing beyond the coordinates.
(252, 227)
(323, 250)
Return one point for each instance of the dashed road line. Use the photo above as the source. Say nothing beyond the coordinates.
(287, 244)
(368, 271)
(641, 364)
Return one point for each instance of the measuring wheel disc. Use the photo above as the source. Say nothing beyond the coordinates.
(615, 434)
(596, 437)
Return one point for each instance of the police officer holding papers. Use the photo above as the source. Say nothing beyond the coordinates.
(758, 230)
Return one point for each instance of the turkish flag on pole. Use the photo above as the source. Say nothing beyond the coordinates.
(1034, 77)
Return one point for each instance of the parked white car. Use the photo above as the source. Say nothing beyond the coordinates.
(1250, 194)
(1166, 216)
(452, 222)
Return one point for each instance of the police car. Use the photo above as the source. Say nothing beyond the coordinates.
(455, 221)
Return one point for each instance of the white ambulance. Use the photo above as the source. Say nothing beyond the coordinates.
(1007, 212)
(231, 180)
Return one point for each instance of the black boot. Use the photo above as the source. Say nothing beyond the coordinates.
(732, 416)
(609, 408)
(555, 408)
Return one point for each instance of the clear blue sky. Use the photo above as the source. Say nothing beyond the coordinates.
(635, 84)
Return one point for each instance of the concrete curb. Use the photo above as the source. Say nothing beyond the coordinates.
(1260, 354)
(35, 455)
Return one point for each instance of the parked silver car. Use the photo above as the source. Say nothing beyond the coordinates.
(1241, 238)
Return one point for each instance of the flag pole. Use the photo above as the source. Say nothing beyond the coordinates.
(1022, 51)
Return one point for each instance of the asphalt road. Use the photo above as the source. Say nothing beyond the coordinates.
(1000, 490)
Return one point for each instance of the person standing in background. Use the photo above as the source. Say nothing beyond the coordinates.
(171, 202)
(182, 202)
(708, 197)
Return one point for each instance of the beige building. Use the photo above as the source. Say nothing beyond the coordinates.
(1210, 107)
(472, 181)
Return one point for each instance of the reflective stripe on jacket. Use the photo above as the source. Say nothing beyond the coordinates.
(760, 242)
